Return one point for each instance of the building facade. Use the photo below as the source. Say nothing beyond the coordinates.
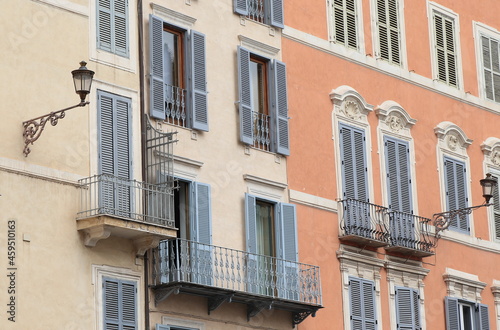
(394, 118)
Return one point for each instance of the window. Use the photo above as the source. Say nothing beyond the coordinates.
(263, 102)
(353, 162)
(170, 327)
(445, 48)
(178, 75)
(344, 22)
(114, 153)
(466, 315)
(388, 28)
(491, 67)
(362, 304)
(119, 304)
(456, 192)
(271, 239)
(407, 309)
(264, 11)
(112, 26)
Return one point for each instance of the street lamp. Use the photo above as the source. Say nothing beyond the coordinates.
(442, 220)
(33, 128)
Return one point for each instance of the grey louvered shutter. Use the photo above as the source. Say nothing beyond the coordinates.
(123, 156)
(446, 53)
(356, 303)
(456, 192)
(289, 232)
(119, 304)
(245, 95)
(370, 316)
(281, 105)
(104, 21)
(157, 86)
(353, 163)
(253, 269)
(388, 30)
(120, 16)
(398, 175)
(407, 309)
(276, 13)
(496, 208)
(345, 22)
(362, 301)
(203, 213)
(451, 310)
(199, 81)
(483, 319)
(491, 67)
(241, 7)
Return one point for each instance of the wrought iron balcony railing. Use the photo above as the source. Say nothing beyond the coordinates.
(183, 261)
(261, 131)
(129, 199)
(364, 222)
(411, 232)
(175, 105)
(256, 10)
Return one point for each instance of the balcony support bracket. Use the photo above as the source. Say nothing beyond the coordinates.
(256, 308)
(144, 243)
(163, 293)
(95, 234)
(299, 317)
(217, 301)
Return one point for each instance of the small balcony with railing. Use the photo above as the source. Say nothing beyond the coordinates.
(410, 235)
(224, 275)
(256, 10)
(128, 208)
(175, 105)
(261, 131)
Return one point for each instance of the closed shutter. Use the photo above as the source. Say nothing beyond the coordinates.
(362, 303)
(241, 7)
(491, 67)
(398, 175)
(482, 317)
(451, 310)
(388, 30)
(119, 304)
(114, 153)
(277, 18)
(353, 163)
(112, 26)
(496, 208)
(407, 309)
(446, 53)
(245, 95)
(281, 105)
(289, 232)
(286, 236)
(345, 22)
(199, 81)
(456, 192)
(157, 96)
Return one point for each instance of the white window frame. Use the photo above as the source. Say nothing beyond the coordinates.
(359, 27)
(431, 8)
(491, 152)
(402, 34)
(104, 57)
(187, 324)
(453, 143)
(101, 271)
(480, 30)
(395, 122)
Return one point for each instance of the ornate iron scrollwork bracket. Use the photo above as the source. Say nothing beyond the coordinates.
(257, 307)
(33, 128)
(301, 316)
(443, 220)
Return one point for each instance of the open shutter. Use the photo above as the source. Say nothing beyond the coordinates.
(199, 81)
(277, 18)
(496, 209)
(119, 304)
(157, 100)
(451, 310)
(203, 213)
(120, 14)
(290, 254)
(241, 7)
(487, 66)
(416, 309)
(482, 317)
(405, 312)
(201, 265)
(104, 31)
(347, 163)
(245, 95)
(281, 107)
(253, 269)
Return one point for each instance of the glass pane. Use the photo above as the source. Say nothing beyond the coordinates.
(265, 228)
(171, 58)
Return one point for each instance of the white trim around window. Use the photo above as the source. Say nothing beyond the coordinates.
(359, 29)
(481, 30)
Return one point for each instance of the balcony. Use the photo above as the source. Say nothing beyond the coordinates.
(125, 208)
(262, 131)
(227, 275)
(256, 10)
(175, 105)
(410, 235)
(364, 223)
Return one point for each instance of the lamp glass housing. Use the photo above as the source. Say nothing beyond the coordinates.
(82, 78)
(488, 184)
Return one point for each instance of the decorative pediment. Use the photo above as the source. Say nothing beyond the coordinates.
(394, 118)
(452, 138)
(349, 104)
(491, 151)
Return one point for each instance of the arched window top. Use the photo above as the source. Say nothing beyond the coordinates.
(452, 138)
(491, 151)
(394, 119)
(350, 105)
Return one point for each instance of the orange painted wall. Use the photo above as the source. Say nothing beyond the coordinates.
(313, 73)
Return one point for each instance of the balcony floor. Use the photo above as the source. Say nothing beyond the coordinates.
(362, 240)
(409, 251)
